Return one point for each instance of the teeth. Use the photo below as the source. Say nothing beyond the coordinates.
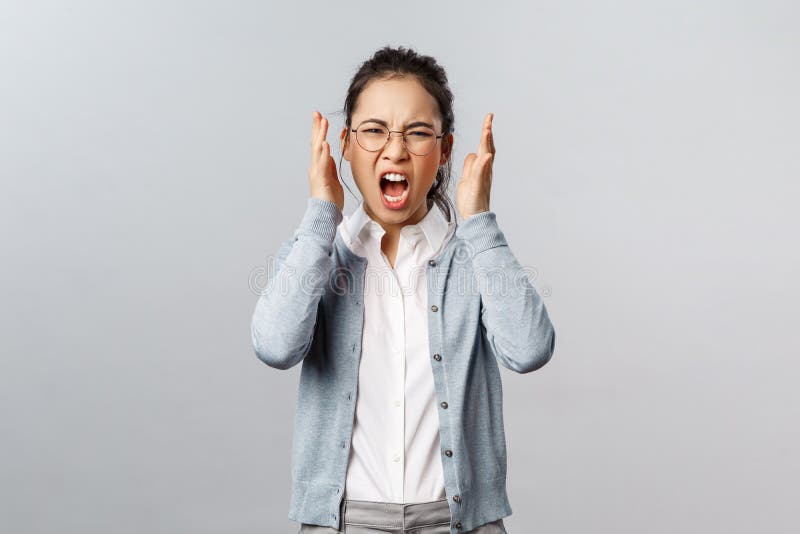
(392, 177)
(396, 199)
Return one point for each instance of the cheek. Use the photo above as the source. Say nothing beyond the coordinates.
(362, 175)
(428, 169)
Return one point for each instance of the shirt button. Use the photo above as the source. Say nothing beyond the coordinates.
(458, 525)
(436, 357)
(396, 458)
(457, 498)
(448, 453)
(431, 263)
(397, 403)
(444, 405)
(435, 308)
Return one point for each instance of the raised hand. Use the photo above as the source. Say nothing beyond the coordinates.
(472, 194)
(322, 175)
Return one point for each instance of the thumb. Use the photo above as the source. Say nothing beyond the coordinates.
(469, 161)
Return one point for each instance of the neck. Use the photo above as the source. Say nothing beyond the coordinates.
(391, 237)
(393, 229)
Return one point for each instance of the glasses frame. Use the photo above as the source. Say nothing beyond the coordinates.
(389, 138)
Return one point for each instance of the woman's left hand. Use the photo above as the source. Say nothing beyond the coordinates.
(472, 194)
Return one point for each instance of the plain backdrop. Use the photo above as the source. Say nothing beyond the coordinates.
(153, 156)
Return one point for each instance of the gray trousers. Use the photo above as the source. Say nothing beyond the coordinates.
(367, 517)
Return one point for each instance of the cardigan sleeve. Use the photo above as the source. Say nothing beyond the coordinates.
(285, 315)
(513, 315)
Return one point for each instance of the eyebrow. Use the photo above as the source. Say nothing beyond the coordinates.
(410, 125)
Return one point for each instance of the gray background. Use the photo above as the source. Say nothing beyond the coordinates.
(154, 154)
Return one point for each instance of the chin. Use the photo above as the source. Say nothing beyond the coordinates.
(411, 206)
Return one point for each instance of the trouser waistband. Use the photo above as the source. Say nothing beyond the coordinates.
(396, 515)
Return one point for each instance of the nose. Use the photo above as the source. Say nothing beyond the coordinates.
(395, 149)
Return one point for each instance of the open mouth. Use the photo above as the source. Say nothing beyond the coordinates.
(394, 187)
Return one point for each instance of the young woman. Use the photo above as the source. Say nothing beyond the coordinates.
(400, 316)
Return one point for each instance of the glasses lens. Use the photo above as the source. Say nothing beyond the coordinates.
(420, 140)
(371, 136)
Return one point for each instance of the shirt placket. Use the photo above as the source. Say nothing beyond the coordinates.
(405, 261)
(397, 363)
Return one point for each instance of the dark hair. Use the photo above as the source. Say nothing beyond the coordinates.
(389, 63)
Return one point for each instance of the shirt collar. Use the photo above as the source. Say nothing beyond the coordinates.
(433, 227)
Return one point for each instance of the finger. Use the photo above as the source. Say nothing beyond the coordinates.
(320, 128)
(491, 135)
(486, 144)
(314, 131)
(315, 116)
(482, 169)
(331, 163)
(324, 125)
(469, 162)
(322, 133)
(486, 166)
(321, 158)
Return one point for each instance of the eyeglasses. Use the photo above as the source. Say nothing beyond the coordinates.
(419, 140)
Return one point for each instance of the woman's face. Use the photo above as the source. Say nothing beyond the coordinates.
(398, 102)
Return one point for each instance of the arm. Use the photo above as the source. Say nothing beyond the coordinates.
(513, 313)
(285, 316)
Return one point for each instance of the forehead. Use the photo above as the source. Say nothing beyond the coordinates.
(397, 101)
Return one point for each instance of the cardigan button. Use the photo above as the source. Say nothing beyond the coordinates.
(457, 498)
(449, 453)
(437, 357)
(431, 263)
(444, 405)
(435, 308)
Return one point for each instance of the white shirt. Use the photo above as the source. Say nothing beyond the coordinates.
(395, 452)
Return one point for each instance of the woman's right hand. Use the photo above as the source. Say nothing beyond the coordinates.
(322, 174)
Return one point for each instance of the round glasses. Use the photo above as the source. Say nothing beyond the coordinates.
(419, 140)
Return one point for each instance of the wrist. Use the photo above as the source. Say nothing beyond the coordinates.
(321, 218)
(482, 232)
(323, 196)
(467, 215)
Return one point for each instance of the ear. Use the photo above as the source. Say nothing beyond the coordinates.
(344, 144)
(447, 149)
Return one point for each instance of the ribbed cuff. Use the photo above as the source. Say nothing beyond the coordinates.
(481, 231)
(321, 218)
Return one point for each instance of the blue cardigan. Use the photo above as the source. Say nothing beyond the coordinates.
(482, 309)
